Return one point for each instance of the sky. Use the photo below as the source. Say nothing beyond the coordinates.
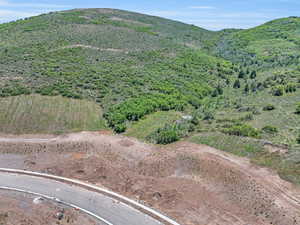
(209, 14)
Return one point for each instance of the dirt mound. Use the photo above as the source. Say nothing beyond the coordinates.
(193, 183)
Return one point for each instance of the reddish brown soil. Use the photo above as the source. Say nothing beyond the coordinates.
(195, 184)
(19, 209)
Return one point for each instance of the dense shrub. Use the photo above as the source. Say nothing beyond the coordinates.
(14, 90)
(247, 88)
(242, 130)
(241, 74)
(135, 108)
(237, 84)
(289, 88)
(298, 139)
(298, 108)
(208, 115)
(120, 128)
(253, 74)
(172, 132)
(269, 107)
(278, 90)
(166, 135)
(270, 129)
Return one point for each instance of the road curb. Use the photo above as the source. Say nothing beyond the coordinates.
(151, 212)
(61, 202)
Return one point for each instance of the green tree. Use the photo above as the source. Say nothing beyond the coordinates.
(237, 84)
(253, 86)
(246, 89)
(278, 90)
(298, 139)
(253, 74)
(215, 93)
(241, 74)
(298, 108)
(220, 89)
(289, 88)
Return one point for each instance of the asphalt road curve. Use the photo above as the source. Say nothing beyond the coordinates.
(111, 210)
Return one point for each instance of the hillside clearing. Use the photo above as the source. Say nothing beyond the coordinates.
(41, 114)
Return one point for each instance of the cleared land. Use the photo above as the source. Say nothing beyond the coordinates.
(195, 184)
(43, 114)
(19, 208)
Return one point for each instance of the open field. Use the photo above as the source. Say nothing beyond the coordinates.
(42, 114)
(240, 146)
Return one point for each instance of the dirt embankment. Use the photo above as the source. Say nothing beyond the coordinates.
(195, 184)
(24, 209)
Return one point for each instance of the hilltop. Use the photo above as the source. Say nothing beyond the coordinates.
(110, 57)
(156, 79)
(275, 43)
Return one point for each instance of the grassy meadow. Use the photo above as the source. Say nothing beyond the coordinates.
(42, 114)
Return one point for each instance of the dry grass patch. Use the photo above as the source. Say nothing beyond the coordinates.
(41, 114)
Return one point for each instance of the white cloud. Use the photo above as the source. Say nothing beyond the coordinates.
(31, 5)
(201, 7)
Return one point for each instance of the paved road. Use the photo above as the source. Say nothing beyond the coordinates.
(114, 212)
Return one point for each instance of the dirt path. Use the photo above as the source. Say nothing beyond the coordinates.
(89, 47)
(196, 184)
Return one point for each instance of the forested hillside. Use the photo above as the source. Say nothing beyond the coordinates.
(131, 64)
(161, 80)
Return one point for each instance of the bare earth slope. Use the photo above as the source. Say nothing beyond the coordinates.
(19, 208)
(194, 184)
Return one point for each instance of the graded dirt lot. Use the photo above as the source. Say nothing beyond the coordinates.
(194, 184)
(24, 209)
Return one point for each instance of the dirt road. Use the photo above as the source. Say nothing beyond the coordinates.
(195, 184)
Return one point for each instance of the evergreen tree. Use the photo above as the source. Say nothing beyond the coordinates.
(253, 74)
(215, 93)
(247, 71)
(246, 89)
(253, 87)
(298, 108)
(219, 89)
(237, 84)
(241, 74)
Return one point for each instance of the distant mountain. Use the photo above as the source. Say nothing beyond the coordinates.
(276, 43)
